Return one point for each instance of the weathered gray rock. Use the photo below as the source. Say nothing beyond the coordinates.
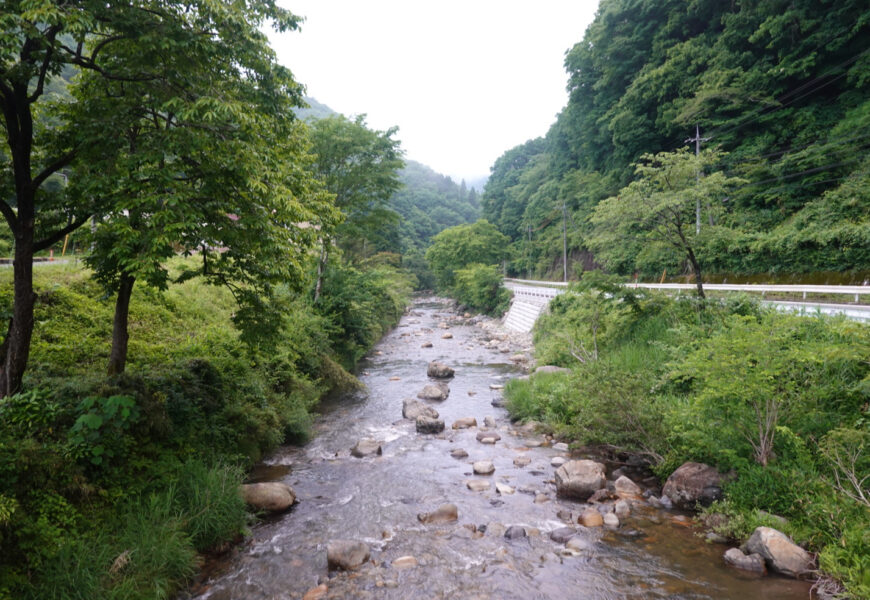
(579, 544)
(411, 409)
(579, 479)
(434, 392)
(611, 520)
(346, 554)
(489, 422)
(488, 440)
(498, 402)
(447, 336)
(426, 345)
(551, 369)
(753, 562)
(271, 496)
(522, 461)
(446, 513)
(560, 447)
(464, 423)
(483, 467)
(439, 370)
(367, 447)
(503, 488)
(626, 487)
(558, 461)
(515, 532)
(622, 509)
(404, 562)
(779, 552)
(487, 434)
(429, 425)
(459, 453)
(563, 534)
(602, 495)
(693, 483)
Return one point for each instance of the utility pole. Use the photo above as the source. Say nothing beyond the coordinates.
(529, 263)
(564, 242)
(697, 139)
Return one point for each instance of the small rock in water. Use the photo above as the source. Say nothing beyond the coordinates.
(445, 513)
(541, 498)
(560, 446)
(447, 336)
(489, 421)
(622, 509)
(563, 534)
(483, 467)
(426, 345)
(434, 392)
(715, 538)
(496, 386)
(578, 544)
(271, 496)
(411, 409)
(481, 435)
(429, 425)
(503, 488)
(470, 393)
(367, 447)
(465, 423)
(405, 562)
(395, 378)
(753, 562)
(439, 370)
(626, 487)
(488, 440)
(522, 461)
(611, 520)
(558, 461)
(459, 453)
(565, 515)
(515, 532)
(591, 518)
(477, 485)
(346, 554)
(498, 402)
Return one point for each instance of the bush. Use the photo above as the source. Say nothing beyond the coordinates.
(479, 287)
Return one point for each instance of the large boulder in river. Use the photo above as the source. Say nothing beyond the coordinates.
(439, 370)
(579, 479)
(272, 496)
(429, 425)
(692, 484)
(779, 552)
(366, 447)
(346, 554)
(434, 392)
(411, 409)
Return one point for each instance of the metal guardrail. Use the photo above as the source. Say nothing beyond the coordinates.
(753, 288)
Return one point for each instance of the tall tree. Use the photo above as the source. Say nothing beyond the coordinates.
(659, 206)
(463, 245)
(360, 166)
(122, 43)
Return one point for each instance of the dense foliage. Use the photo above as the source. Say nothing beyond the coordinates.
(110, 487)
(781, 86)
(781, 400)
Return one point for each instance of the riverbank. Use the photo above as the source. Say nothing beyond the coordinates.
(115, 487)
(472, 511)
(774, 402)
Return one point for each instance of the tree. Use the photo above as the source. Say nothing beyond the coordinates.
(463, 245)
(360, 167)
(122, 43)
(659, 207)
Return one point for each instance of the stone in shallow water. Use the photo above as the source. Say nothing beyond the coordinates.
(591, 518)
(477, 485)
(482, 435)
(563, 534)
(578, 544)
(429, 425)
(367, 447)
(445, 513)
(503, 488)
(522, 461)
(464, 423)
(515, 532)
(611, 520)
(459, 453)
(411, 409)
(558, 461)
(270, 496)
(753, 562)
(483, 467)
(579, 479)
(346, 554)
(439, 370)
(405, 562)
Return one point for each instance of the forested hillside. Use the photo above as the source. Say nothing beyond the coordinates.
(426, 203)
(779, 87)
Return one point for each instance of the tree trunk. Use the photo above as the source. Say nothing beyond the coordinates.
(120, 335)
(696, 269)
(16, 347)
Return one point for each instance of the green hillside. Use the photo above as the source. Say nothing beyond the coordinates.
(779, 87)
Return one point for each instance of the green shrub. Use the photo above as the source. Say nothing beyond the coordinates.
(479, 287)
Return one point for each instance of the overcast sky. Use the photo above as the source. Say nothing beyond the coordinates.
(464, 80)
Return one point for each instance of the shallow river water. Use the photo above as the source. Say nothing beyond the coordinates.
(654, 554)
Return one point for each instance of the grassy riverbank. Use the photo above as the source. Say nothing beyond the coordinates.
(113, 487)
(781, 401)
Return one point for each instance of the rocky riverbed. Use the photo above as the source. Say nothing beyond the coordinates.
(478, 507)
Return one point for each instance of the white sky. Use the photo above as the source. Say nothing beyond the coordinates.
(464, 80)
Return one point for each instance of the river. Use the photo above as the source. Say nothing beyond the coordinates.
(654, 553)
